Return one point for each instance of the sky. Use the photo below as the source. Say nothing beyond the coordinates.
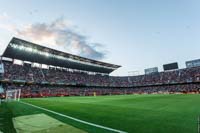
(135, 34)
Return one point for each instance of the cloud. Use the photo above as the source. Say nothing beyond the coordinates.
(4, 16)
(62, 35)
(8, 27)
(7, 24)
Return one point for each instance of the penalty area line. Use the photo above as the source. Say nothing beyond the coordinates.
(75, 119)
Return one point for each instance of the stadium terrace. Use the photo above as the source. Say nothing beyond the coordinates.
(69, 75)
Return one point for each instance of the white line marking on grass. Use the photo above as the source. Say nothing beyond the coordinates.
(75, 119)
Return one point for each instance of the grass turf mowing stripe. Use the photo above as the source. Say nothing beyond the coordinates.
(75, 119)
(42, 123)
(6, 125)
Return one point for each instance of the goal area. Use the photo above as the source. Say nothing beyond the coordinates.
(13, 95)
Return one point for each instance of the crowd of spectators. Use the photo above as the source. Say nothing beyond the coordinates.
(27, 73)
(176, 81)
(49, 91)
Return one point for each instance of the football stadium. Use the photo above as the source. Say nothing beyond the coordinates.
(99, 66)
(50, 91)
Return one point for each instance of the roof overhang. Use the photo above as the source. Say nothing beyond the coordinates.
(28, 51)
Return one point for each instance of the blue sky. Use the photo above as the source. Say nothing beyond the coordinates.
(136, 34)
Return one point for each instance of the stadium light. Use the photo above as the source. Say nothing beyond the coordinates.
(29, 49)
(33, 50)
(47, 54)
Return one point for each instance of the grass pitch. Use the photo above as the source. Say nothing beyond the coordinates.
(42, 123)
(130, 113)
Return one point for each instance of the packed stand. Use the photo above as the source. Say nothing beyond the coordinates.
(29, 91)
(27, 73)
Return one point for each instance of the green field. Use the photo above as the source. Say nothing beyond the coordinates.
(130, 113)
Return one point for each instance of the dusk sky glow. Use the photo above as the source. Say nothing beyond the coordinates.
(135, 34)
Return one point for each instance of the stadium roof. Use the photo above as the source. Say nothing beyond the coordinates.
(28, 51)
